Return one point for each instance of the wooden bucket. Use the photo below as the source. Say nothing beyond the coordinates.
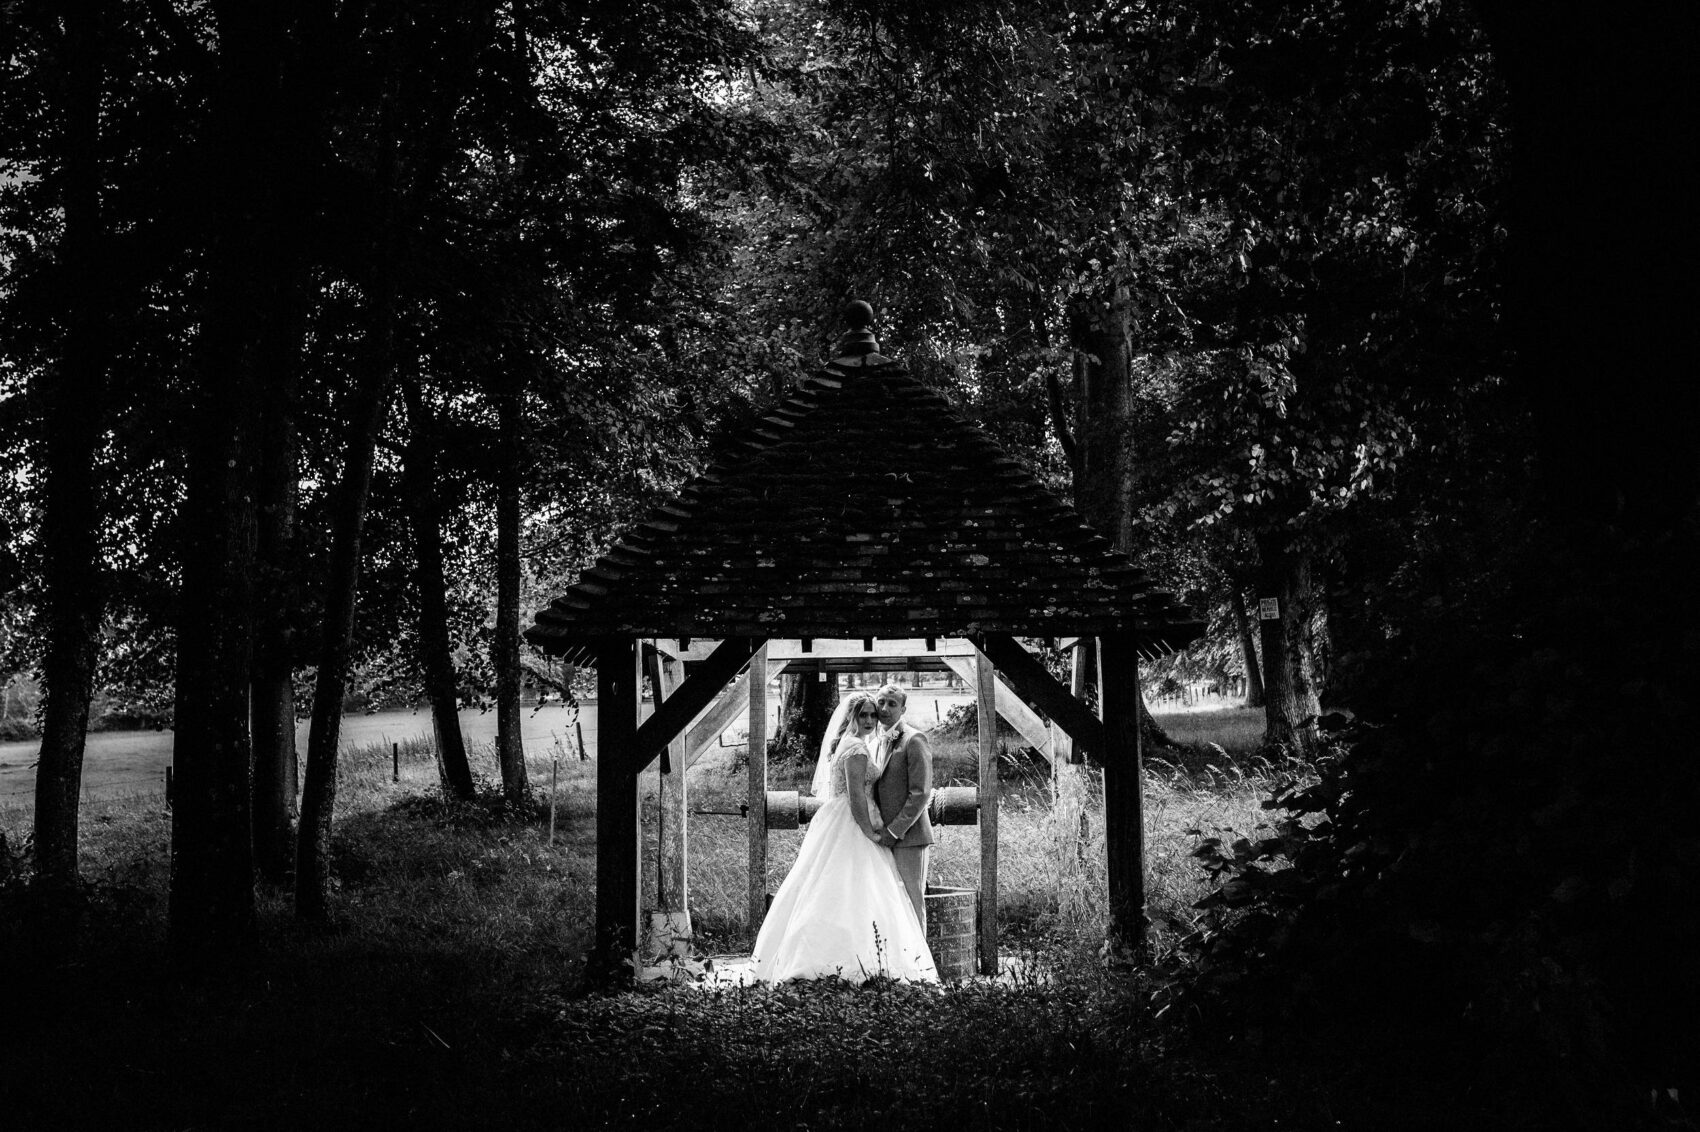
(951, 930)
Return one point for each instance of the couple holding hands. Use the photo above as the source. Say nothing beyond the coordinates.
(853, 904)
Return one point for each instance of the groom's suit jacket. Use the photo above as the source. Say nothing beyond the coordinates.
(905, 787)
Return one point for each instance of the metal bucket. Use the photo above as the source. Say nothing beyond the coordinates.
(951, 930)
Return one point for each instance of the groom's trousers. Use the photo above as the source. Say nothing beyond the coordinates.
(912, 867)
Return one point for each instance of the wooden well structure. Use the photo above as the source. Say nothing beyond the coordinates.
(862, 525)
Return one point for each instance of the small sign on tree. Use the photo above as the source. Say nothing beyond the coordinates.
(1268, 609)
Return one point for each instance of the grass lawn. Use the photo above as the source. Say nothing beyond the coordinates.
(446, 994)
(1237, 730)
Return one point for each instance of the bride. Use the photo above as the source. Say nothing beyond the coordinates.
(842, 909)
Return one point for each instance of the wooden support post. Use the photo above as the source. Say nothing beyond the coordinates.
(757, 796)
(1029, 677)
(1082, 661)
(1124, 789)
(985, 703)
(1071, 786)
(670, 926)
(617, 825)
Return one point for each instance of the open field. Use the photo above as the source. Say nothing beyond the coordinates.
(120, 764)
(125, 763)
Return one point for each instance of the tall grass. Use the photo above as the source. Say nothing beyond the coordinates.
(1237, 731)
(414, 871)
(1052, 887)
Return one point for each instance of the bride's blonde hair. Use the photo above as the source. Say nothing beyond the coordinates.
(852, 708)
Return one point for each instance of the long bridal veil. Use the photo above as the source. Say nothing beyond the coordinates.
(828, 744)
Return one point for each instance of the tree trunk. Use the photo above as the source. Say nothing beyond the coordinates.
(302, 98)
(1105, 470)
(1291, 705)
(806, 704)
(1253, 668)
(1315, 644)
(73, 402)
(1100, 330)
(504, 649)
(342, 582)
(510, 410)
(212, 875)
(435, 654)
(272, 697)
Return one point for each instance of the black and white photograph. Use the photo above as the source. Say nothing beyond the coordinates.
(849, 564)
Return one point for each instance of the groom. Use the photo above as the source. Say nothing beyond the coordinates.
(902, 792)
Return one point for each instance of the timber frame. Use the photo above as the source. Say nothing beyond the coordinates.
(862, 516)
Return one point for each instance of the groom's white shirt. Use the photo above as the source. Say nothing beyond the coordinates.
(882, 745)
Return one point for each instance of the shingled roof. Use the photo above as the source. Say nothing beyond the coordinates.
(863, 506)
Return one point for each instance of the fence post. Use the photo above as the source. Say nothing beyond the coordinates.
(554, 781)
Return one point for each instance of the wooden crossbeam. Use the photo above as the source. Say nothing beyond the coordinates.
(733, 703)
(870, 663)
(1034, 681)
(867, 647)
(1023, 718)
(690, 698)
(793, 648)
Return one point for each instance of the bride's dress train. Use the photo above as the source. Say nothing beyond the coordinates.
(842, 909)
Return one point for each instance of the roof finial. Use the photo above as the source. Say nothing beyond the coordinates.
(858, 346)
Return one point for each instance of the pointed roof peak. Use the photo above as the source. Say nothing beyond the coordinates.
(857, 347)
(863, 505)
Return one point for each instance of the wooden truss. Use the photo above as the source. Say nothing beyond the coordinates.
(702, 687)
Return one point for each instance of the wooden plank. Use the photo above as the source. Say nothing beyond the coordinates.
(617, 824)
(1028, 676)
(1011, 706)
(699, 649)
(1124, 788)
(651, 660)
(1082, 664)
(757, 794)
(791, 648)
(672, 891)
(985, 700)
(731, 705)
(870, 663)
(695, 694)
(819, 648)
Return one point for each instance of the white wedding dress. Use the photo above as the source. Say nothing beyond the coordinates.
(842, 909)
